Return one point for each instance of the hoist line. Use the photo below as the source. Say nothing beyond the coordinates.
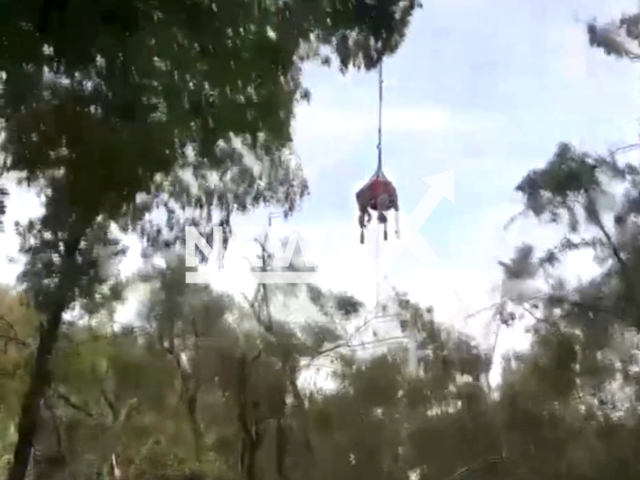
(377, 306)
(379, 172)
(380, 83)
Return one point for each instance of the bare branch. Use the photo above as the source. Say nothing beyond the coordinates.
(68, 401)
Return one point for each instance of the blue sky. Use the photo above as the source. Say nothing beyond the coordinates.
(486, 88)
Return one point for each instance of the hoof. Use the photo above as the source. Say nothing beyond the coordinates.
(362, 238)
(385, 235)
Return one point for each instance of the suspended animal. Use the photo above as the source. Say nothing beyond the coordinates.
(378, 194)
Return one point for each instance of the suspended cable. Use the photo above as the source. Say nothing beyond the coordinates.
(380, 85)
(379, 193)
(377, 260)
(379, 172)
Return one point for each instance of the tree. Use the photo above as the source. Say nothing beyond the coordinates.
(562, 401)
(103, 102)
(204, 386)
(119, 404)
(618, 39)
(18, 333)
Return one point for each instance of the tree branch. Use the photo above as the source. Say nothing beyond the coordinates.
(68, 401)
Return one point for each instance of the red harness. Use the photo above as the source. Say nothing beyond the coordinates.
(379, 187)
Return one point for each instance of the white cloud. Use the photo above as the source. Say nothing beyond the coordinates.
(326, 135)
(326, 123)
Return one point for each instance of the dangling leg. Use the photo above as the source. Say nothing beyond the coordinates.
(383, 206)
(382, 219)
(397, 222)
(361, 223)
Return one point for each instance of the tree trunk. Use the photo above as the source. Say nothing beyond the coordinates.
(282, 445)
(196, 429)
(40, 378)
(38, 384)
(250, 427)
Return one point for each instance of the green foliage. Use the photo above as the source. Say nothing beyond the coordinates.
(104, 101)
(18, 328)
(126, 395)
